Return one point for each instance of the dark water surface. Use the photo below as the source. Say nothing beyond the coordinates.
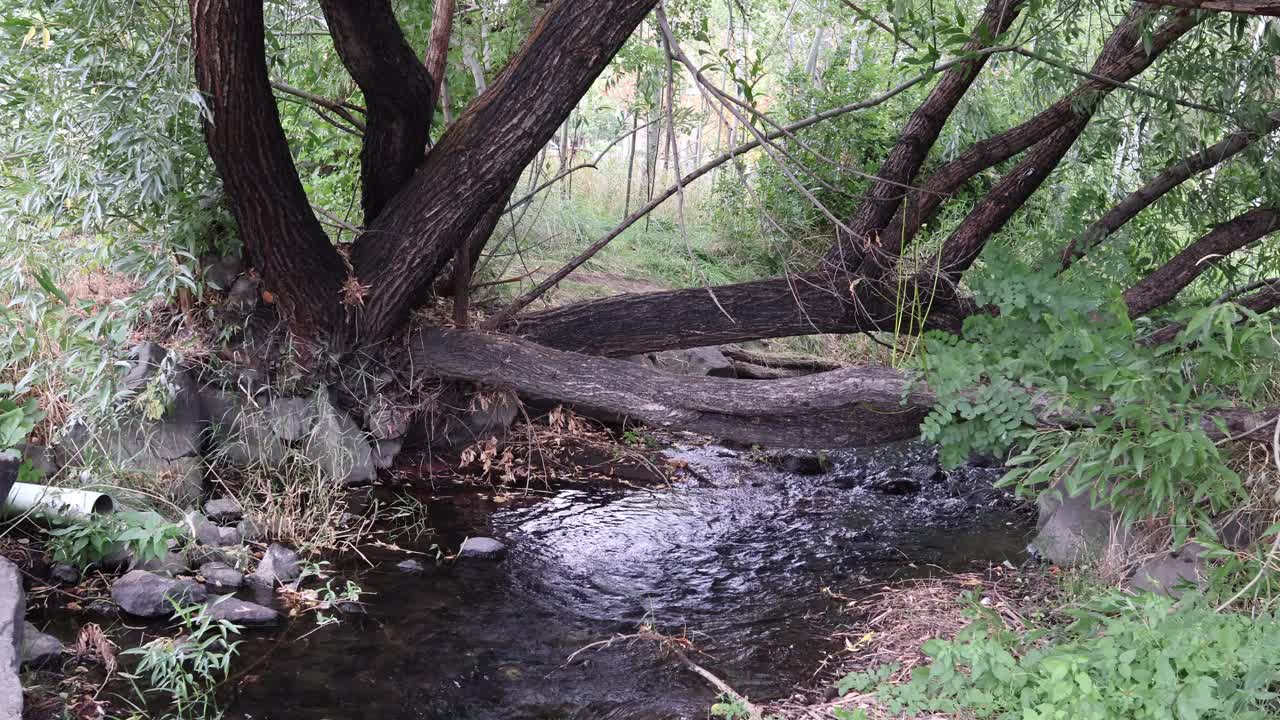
(737, 559)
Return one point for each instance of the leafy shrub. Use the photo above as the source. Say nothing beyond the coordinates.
(187, 669)
(1145, 657)
(145, 535)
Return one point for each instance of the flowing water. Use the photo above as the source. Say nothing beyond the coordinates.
(737, 560)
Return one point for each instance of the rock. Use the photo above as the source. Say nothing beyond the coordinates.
(220, 576)
(243, 297)
(1172, 573)
(229, 536)
(279, 564)
(42, 459)
(1073, 532)
(222, 272)
(249, 530)
(64, 573)
(466, 422)
(894, 484)
(148, 595)
(170, 564)
(804, 463)
(699, 361)
(38, 649)
(223, 510)
(410, 566)
(481, 547)
(241, 430)
(385, 452)
(337, 446)
(242, 612)
(202, 530)
(12, 607)
(10, 464)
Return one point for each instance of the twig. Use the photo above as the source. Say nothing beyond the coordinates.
(340, 108)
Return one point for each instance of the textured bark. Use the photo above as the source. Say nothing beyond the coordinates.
(843, 408)
(1013, 190)
(1174, 175)
(436, 58)
(779, 307)
(1123, 57)
(1165, 283)
(918, 137)
(480, 157)
(285, 241)
(398, 92)
(1245, 7)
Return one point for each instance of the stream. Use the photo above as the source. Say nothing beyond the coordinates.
(735, 558)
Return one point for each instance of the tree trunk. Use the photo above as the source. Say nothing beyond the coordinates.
(285, 241)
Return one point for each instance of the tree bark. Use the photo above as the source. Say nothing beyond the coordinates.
(285, 241)
(843, 408)
(1172, 176)
(779, 307)
(480, 157)
(1165, 283)
(398, 91)
(436, 59)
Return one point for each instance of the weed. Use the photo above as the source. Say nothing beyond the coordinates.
(186, 669)
(144, 535)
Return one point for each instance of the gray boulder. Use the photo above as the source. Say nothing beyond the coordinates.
(465, 422)
(221, 272)
(482, 548)
(148, 595)
(337, 446)
(223, 510)
(202, 530)
(170, 564)
(12, 607)
(220, 576)
(700, 361)
(243, 297)
(1171, 573)
(242, 612)
(242, 430)
(410, 566)
(279, 564)
(1073, 532)
(39, 649)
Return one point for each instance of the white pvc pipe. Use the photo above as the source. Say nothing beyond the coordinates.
(58, 502)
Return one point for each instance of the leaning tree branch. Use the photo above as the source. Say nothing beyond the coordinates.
(285, 241)
(340, 108)
(397, 89)
(436, 58)
(1265, 300)
(1164, 284)
(1173, 175)
(1244, 7)
(1122, 58)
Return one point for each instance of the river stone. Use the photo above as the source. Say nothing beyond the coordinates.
(170, 564)
(802, 463)
(39, 649)
(223, 510)
(12, 608)
(249, 530)
(891, 483)
(279, 564)
(482, 547)
(1172, 572)
(338, 446)
(242, 612)
(64, 573)
(42, 459)
(221, 272)
(148, 595)
(698, 362)
(202, 530)
(243, 297)
(410, 566)
(1073, 532)
(221, 576)
(385, 452)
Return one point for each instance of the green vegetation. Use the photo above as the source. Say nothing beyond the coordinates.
(184, 671)
(143, 535)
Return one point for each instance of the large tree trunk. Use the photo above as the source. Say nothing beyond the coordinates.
(284, 240)
(399, 93)
(480, 157)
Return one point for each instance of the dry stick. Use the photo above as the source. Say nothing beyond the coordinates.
(554, 279)
(339, 108)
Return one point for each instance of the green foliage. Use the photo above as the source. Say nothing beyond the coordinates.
(1132, 415)
(16, 419)
(146, 535)
(187, 669)
(1145, 657)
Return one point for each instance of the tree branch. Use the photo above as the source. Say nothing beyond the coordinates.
(1246, 7)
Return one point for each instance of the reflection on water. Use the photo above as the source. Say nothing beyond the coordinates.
(737, 560)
